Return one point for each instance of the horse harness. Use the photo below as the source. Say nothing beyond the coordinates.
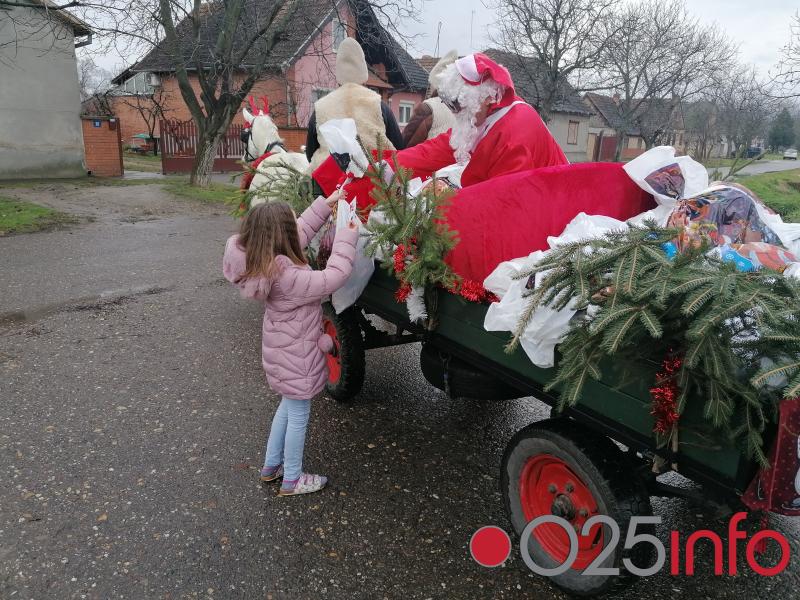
(245, 137)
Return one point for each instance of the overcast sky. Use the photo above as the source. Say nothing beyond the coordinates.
(760, 27)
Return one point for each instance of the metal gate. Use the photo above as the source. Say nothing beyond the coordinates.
(179, 145)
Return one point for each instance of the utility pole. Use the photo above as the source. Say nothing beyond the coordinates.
(471, 22)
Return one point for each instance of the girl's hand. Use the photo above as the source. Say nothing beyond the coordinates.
(334, 198)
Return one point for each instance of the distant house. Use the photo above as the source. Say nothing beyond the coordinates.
(301, 69)
(40, 125)
(569, 121)
(658, 120)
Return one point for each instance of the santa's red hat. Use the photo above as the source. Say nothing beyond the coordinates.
(478, 68)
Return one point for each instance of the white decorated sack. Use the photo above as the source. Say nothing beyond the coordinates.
(341, 137)
(644, 168)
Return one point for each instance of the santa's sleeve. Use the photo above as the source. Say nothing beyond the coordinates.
(427, 158)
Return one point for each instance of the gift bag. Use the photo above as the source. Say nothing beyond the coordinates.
(342, 139)
(363, 265)
(777, 488)
(666, 176)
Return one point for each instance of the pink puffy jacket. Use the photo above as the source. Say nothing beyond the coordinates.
(293, 344)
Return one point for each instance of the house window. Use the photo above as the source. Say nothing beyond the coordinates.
(339, 33)
(572, 133)
(404, 113)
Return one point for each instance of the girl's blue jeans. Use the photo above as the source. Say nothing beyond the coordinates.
(287, 437)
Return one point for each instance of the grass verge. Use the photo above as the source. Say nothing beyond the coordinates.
(24, 217)
(780, 191)
(215, 193)
(140, 162)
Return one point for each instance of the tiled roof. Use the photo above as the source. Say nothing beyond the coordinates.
(661, 112)
(308, 20)
(526, 73)
(427, 62)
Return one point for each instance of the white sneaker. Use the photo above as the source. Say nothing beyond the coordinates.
(307, 484)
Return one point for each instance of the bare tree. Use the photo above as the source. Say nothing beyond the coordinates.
(786, 81)
(660, 54)
(93, 80)
(39, 26)
(218, 49)
(562, 36)
(703, 133)
(152, 107)
(744, 108)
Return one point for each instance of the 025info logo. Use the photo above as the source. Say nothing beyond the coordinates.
(490, 546)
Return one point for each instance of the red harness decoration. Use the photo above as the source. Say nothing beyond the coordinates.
(247, 178)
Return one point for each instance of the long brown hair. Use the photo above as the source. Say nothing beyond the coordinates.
(268, 230)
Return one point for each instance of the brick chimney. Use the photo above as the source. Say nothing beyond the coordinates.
(616, 98)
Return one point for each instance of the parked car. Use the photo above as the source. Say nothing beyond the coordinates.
(751, 152)
(790, 154)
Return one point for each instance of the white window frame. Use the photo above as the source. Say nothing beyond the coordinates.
(400, 107)
(577, 124)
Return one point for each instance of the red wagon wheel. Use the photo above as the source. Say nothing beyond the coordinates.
(560, 468)
(547, 486)
(346, 364)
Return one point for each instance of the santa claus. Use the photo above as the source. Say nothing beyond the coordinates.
(495, 131)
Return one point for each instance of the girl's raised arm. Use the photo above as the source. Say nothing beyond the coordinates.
(307, 285)
(312, 220)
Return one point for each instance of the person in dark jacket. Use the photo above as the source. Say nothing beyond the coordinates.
(374, 120)
(432, 117)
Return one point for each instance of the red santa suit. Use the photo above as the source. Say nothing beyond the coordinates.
(513, 137)
(517, 141)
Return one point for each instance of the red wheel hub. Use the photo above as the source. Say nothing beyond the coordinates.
(549, 486)
(333, 358)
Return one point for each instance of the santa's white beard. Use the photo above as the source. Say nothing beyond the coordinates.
(464, 136)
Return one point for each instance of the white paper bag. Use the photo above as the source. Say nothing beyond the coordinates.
(341, 137)
(363, 265)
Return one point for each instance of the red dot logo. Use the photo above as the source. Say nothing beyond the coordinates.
(490, 546)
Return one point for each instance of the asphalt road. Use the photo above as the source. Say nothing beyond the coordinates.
(133, 419)
(762, 166)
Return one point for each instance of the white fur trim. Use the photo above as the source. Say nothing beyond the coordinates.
(415, 304)
(468, 69)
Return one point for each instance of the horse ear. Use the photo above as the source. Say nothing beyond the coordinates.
(265, 102)
(247, 116)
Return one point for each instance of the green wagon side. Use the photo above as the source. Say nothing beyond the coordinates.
(567, 466)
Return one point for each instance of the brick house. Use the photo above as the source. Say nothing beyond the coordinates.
(301, 70)
(659, 121)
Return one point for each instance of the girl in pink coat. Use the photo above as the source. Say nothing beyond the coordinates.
(266, 262)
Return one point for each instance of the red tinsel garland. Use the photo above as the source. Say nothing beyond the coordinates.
(402, 293)
(665, 397)
(399, 258)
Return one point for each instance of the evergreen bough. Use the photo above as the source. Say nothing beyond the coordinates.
(417, 223)
(737, 333)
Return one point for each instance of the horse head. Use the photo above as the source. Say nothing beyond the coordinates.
(263, 133)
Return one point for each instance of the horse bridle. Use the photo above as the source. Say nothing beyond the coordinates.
(246, 135)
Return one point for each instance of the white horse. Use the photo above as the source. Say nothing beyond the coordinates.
(264, 137)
